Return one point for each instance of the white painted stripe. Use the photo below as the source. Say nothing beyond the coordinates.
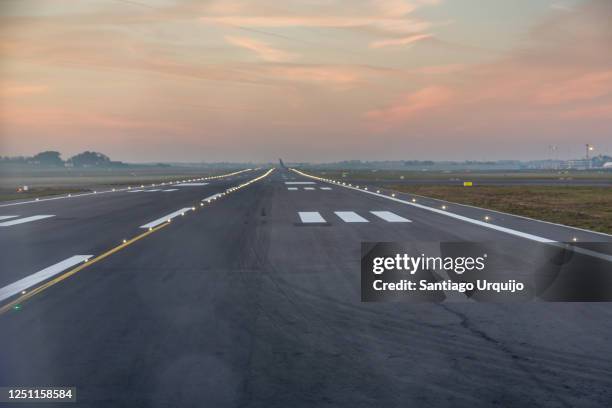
(29, 281)
(309, 188)
(6, 217)
(165, 218)
(292, 188)
(350, 216)
(192, 184)
(135, 191)
(24, 220)
(326, 188)
(389, 216)
(309, 217)
(300, 182)
(170, 189)
(212, 197)
(152, 191)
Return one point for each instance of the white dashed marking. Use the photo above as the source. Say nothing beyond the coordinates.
(350, 216)
(24, 220)
(389, 216)
(310, 217)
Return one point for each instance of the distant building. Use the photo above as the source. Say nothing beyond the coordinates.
(581, 164)
(607, 165)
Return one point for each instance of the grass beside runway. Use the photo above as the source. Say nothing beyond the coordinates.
(577, 206)
(457, 176)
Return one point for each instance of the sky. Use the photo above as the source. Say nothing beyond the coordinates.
(308, 80)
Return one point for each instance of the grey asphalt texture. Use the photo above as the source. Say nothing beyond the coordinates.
(239, 305)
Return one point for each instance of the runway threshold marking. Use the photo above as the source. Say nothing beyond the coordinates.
(42, 275)
(484, 224)
(311, 217)
(325, 188)
(24, 220)
(389, 216)
(309, 188)
(350, 216)
(165, 218)
(292, 188)
(79, 268)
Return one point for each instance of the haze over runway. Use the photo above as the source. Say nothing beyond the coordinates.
(250, 296)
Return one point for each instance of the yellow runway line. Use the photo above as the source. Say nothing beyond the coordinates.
(79, 268)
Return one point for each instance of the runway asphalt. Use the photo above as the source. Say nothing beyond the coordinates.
(243, 303)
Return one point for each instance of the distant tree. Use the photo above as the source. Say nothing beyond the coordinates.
(90, 159)
(48, 158)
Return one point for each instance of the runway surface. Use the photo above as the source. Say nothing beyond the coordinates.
(253, 300)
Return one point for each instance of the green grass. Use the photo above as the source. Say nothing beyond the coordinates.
(577, 206)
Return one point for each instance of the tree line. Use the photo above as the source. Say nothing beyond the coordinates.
(53, 158)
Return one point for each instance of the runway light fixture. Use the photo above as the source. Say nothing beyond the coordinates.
(150, 228)
(487, 218)
(444, 207)
(414, 200)
(377, 191)
(125, 241)
(393, 195)
(575, 239)
(23, 292)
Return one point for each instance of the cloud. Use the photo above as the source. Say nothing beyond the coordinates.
(263, 50)
(585, 87)
(399, 41)
(409, 105)
(19, 89)
(390, 20)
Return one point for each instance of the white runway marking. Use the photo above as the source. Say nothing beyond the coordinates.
(309, 217)
(309, 188)
(192, 184)
(135, 191)
(350, 216)
(6, 217)
(165, 218)
(170, 189)
(29, 281)
(300, 182)
(151, 191)
(24, 220)
(292, 188)
(325, 188)
(389, 216)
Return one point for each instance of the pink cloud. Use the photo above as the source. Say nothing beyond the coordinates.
(409, 40)
(408, 106)
(585, 87)
(262, 49)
